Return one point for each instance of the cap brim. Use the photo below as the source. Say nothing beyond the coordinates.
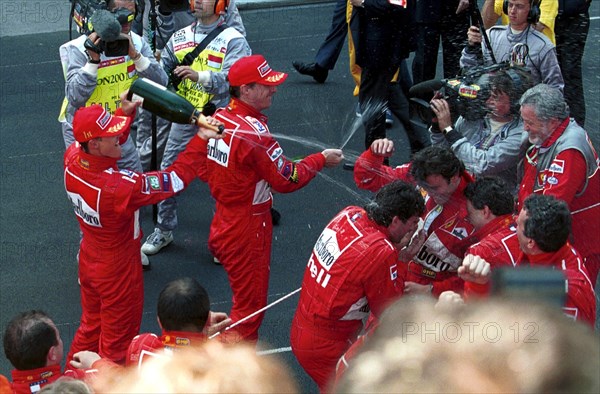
(274, 78)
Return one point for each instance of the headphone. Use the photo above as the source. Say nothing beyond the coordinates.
(221, 6)
(534, 11)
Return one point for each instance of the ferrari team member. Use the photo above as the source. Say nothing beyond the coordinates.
(184, 315)
(490, 209)
(203, 83)
(106, 202)
(439, 173)
(352, 272)
(93, 78)
(240, 170)
(562, 162)
(543, 228)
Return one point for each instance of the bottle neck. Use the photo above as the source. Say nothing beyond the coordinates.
(197, 114)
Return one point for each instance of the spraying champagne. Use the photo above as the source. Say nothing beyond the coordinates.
(168, 105)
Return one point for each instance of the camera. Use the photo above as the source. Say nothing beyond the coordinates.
(92, 15)
(466, 94)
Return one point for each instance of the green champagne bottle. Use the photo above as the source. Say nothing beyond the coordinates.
(167, 104)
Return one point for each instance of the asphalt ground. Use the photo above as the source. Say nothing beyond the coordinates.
(39, 234)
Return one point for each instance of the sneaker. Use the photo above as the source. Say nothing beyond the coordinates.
(318, 73)
(389, 118)
(145, 262)
(156, 241)
(216, 261)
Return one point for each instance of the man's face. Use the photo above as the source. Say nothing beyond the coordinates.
(130, 6)
(399, 228)
(259, 96)
(537, 129)
(475, 216)
(523, 240)
(439, 188)
(499, 105)
(109, 147)
(204, 8)
(518, 10)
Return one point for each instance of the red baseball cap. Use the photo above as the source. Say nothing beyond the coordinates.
(254, 69)
(96, 122)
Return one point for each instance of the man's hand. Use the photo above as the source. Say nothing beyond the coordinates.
(413, 288)
(209, 128)
(463, 5)
(333, 157)
(127, 106)
(133, 53)
(449, 300)
(441, 109)
(382, 147)
(217, 321)
(95, 40)
(474, 36)
(186, 72)
(416, 242)
(84, 359)
(474, 269)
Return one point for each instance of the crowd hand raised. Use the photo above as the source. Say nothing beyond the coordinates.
(217, 321)
(473, 36)
(333, 157)
(412, 245)
(441, 109)
(84, 359)
(207, 133)
(449, 300)
(474, 269)
(382, 147)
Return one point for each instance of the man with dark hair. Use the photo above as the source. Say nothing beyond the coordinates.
(241, 169)
(562, 162)
(543, 229)
(34, 347)
(442, 176)
(490, 208)
(488, 142)
(352, 273)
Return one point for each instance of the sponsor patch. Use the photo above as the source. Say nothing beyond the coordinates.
(179, 341)
(280, 163)
(290, 172)
(552, 180)
(394, 272)
(275, 151)
(557, 166)
(129, 173)
(256, 124)
(264, 69)
(428, 273)
(166, 182)
(215, 61)
(542, 178)
(460, 232)
(104, 119)
(153, 182)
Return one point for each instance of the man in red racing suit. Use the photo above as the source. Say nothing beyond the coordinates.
(352, 272)
(106, 203)
(438, 172)
(240, 170)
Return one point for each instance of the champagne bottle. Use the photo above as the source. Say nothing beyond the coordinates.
(166, 104)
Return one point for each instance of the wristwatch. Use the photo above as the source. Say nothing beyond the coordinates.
(447, 130)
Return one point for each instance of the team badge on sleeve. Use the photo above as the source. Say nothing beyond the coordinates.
(274, 151)
(290, 172)
(557, 166)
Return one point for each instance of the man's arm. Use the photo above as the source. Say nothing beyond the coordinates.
(80, 78)
(489, 14)
(369, 171)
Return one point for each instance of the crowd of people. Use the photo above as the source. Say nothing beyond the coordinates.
(515, 184)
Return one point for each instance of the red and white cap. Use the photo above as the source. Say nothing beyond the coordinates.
(96, 122)
(254, 69)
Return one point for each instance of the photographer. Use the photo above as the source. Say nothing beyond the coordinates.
(94, 76)
(487, 145)
(197, 59)
(518, 42)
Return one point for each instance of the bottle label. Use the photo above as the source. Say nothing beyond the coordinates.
(135, 98)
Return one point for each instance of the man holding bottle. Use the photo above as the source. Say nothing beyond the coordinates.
(198, 59)
(241, 169)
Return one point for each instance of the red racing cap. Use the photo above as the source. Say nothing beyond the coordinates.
(96, 122)
(254, 69)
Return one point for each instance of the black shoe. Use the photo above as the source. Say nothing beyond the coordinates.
(318, 73)
(275, 216)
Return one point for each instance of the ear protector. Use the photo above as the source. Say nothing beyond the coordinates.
(534, 10)
(220, 6)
